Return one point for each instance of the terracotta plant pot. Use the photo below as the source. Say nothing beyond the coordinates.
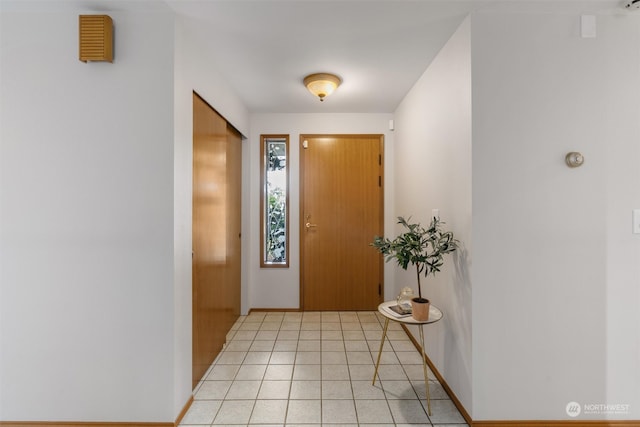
(420, 309)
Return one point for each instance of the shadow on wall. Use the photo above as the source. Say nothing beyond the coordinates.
(458, 348)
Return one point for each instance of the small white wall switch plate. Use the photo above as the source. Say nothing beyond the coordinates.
(636, 221)
(588, 26)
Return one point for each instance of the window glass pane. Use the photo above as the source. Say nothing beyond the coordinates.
(275, 180)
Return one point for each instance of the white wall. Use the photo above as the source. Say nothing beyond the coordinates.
(622, 193)
(555, 266)
(86, 218)
(194, 71)
(280, 288)
(200, 74)
(433, 171)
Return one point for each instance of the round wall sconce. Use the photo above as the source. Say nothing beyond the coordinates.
(574, 159)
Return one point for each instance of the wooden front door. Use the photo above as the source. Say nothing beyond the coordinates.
(341, 212)
(215, 234)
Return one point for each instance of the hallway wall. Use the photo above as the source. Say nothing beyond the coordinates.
(555, 272)
(553, 268)
(280, 288)
(86, 208)
(194, 70)
(433, 171)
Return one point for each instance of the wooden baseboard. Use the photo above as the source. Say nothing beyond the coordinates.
(184, 411)
(96, 424)
(566, 423)
(79, 423)
(439, 377)
(516, 423)
(262, 310)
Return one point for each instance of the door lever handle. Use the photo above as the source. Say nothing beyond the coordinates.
(309, 225)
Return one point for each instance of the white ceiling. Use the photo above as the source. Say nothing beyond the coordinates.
(264, 48)
(379, 49)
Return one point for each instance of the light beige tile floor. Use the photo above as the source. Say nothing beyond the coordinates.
(301, 369)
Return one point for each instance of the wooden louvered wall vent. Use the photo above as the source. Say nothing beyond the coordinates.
(96, 38)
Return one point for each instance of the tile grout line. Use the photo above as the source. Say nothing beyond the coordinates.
(253, 407)
(285, 347)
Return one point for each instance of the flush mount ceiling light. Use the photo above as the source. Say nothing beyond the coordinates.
(322, 84)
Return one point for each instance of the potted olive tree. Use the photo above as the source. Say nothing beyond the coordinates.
(422, 247)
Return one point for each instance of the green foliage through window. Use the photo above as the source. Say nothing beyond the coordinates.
(274, 203)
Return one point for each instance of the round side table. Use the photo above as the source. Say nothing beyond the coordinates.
(435, 314)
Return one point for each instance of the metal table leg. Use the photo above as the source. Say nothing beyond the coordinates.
(424, 368)
(384, 336)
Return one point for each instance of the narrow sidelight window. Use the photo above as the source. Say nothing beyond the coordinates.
(274, 201)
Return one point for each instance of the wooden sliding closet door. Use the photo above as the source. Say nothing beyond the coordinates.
(216, 233)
